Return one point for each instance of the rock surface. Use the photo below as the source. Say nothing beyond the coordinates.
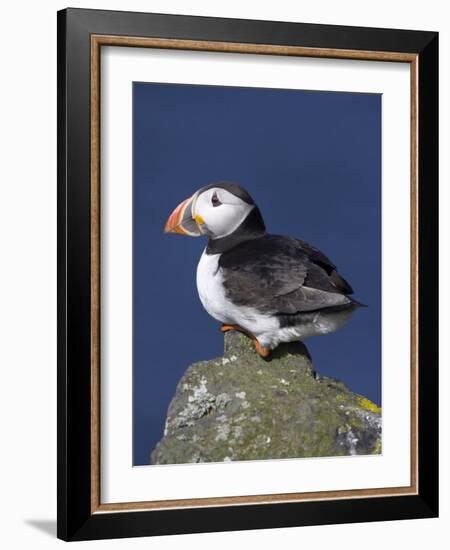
(242, 407)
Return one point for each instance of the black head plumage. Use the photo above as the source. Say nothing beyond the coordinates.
(231, 187)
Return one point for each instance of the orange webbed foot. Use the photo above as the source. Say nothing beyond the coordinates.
(264, 352)
(261, 350)
(227, 328)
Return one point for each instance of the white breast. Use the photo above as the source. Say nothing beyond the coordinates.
(210, 288)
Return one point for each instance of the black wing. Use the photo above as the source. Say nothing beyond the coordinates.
(279, 275)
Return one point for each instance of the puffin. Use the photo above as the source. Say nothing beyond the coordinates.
(273, 288)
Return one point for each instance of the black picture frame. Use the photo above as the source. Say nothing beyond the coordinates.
(76, 521)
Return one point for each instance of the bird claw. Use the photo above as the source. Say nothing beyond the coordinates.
(227, 328)
(263, 352)
(260, 349)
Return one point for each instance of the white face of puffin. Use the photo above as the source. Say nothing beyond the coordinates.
(214, 212)
(218, 212)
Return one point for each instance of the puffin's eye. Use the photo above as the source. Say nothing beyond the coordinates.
(215, 200)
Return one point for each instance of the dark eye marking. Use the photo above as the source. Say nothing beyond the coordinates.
(215, 200)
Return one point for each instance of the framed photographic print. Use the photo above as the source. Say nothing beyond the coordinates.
(247, 274)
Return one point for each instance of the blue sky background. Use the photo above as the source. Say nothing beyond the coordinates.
(311, 161)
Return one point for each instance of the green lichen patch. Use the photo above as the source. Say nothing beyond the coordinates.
(368, 405)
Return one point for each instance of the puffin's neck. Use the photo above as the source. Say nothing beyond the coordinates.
(251, 228)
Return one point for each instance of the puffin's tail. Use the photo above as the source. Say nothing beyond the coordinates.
(356, 303)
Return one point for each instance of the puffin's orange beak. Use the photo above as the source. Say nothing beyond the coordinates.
(181, 220)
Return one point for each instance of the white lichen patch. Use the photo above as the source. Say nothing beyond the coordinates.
(259, 371)
(166, 426)
(222, 400)
(241, 394)
(284, 382)
(201, 402)
(199, 391)
(225, 361)
(233, 358)
(223, 431)
(256, 419)
(237, 432)
(268, 439)
(245, 404)
(352, 441)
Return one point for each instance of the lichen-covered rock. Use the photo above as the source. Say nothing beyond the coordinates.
(243, 407)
